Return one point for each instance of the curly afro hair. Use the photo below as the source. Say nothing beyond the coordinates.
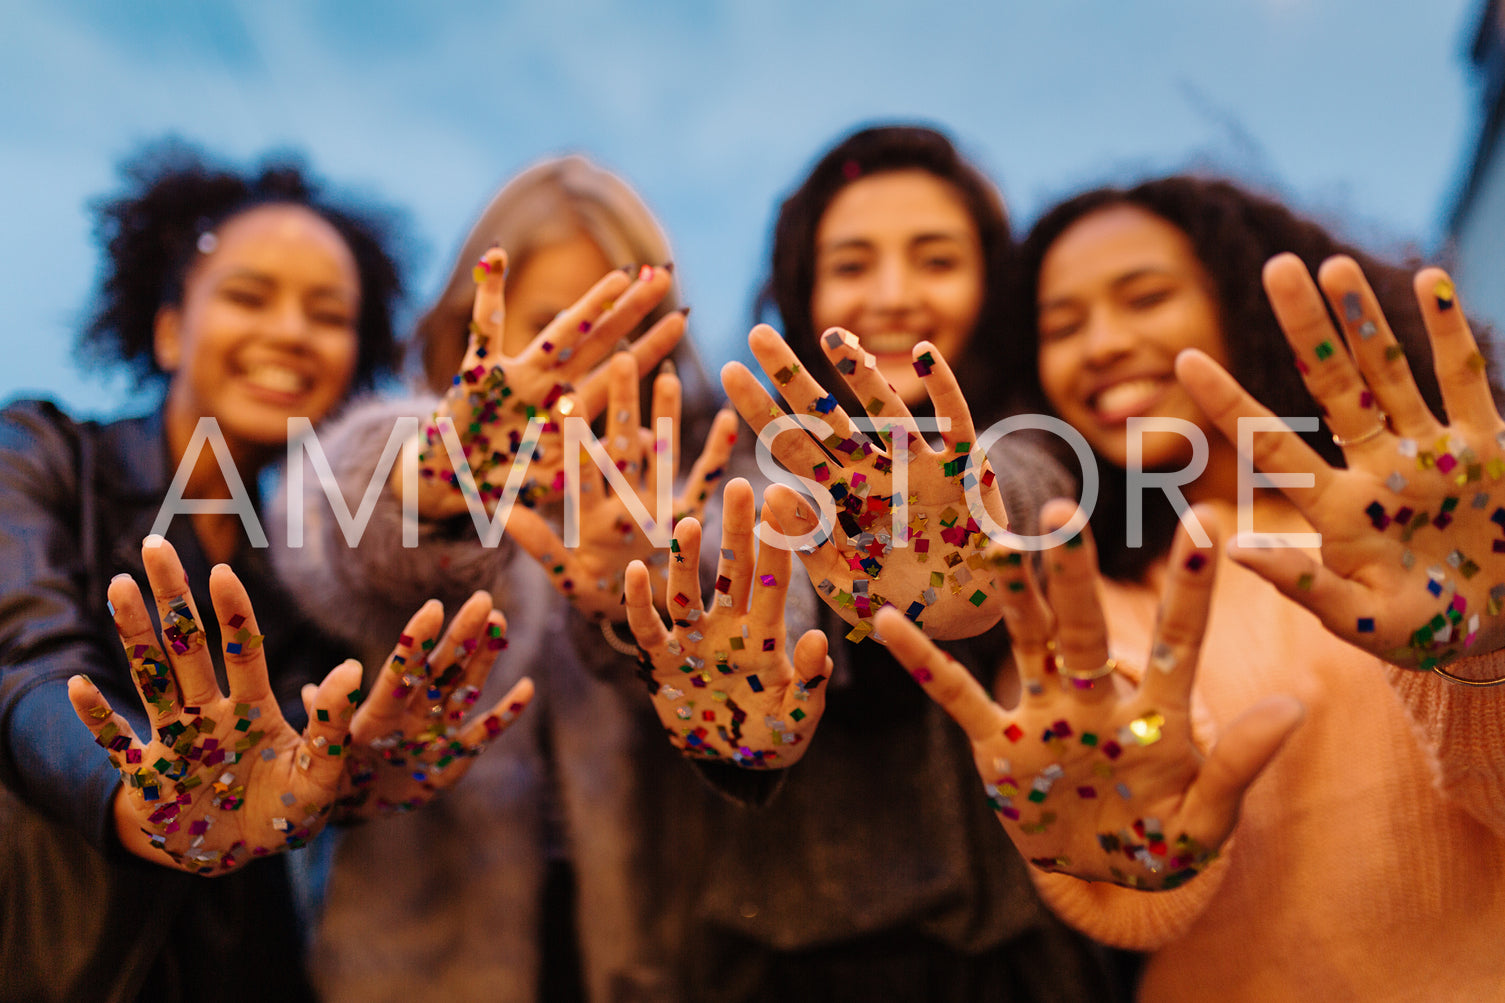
(173, 195)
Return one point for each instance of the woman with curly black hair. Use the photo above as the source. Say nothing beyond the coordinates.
(251, 300)
(1277, 770)
(166, 219)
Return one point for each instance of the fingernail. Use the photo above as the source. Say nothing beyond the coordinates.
(683, 311)
(153, 541)
(668, 368)
(623, 345)
(668, 266)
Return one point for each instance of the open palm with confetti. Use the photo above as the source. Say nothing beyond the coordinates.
(1090, 774)
(499, 423)
(1413, 530)
(721, 680)
(899, 529)
(222, 778)
(419, 729)
(617, 510)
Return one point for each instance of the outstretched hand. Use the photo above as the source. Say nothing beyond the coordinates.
(417, 733)
(489, 407)
(1090, 775)
(222, 778)
(1413, 529)
(610, 517)
(721, 681)
(930, 564)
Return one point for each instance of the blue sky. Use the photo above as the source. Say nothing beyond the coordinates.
(712, 109)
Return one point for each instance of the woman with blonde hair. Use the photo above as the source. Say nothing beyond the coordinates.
(543, 876)
(560, 212)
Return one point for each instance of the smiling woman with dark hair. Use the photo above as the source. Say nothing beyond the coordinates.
(1276, 767)
(1232, 233)
(868, 873)
(837, 253)
(252, 300)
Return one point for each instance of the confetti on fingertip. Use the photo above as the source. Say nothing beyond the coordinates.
(1444, 293)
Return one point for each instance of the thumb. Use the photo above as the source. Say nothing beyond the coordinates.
(490, 275)
(811, 660)
(1242, 752)
(321, 755)
(812, 667)
(534, 535)
(1329, 596)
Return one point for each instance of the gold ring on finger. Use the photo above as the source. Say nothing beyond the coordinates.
(1380, 427)
(1091, 675)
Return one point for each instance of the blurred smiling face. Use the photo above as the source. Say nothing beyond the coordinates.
(1121, 292)
(266, 330)
(898, 260)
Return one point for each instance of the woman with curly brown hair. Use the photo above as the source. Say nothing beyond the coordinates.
(1285, 782)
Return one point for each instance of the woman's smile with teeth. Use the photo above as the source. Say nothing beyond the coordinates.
(279, 379)
(1128, 397)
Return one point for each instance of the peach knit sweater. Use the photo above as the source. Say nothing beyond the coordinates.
(1369, 861)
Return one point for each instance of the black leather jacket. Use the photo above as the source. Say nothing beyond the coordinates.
(80, 918)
